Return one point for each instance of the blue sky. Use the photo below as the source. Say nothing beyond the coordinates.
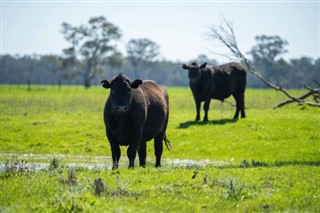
(179, 28)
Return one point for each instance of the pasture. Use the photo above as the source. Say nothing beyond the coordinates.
(268, 161)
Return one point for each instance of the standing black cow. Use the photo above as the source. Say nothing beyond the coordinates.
(219, 83)
(135, 112)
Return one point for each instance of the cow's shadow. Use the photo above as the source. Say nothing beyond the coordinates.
(202, 123)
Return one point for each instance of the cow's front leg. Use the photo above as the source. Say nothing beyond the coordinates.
(116, 153)
(198, 105)
(206, 108)
(131, 152)
(115, 150)
(133, 147)
(142, 154)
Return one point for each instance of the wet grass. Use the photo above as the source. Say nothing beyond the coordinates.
(270, 159)
(288, 188)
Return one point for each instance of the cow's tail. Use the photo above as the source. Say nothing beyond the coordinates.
(167, 142)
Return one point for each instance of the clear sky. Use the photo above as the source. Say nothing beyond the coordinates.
(178, 27)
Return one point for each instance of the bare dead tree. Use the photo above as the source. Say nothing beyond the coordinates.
(225, 34)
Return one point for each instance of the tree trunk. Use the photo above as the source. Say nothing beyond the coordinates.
(87, 82)
(87, 74)
(29, 85)
(59, 83)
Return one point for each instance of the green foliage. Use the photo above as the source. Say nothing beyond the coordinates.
(54, 164)
(15, 165)
(141, 52)
(268, 161)
(268, 48)
(39, 69)
(295, 73)
(91, 46)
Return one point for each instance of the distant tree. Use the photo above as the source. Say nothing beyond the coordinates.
(265, 54)
(115, 60)
(29, 66)
(71, 68)
(92, 45)
(281, 73)
(15, 70)
(316, 74)
(268, 48)
(304, 71)
(54, 64)
(204, 59)
(7, 68)
(141, 52)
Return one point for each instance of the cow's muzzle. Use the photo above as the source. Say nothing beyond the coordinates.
(193, 80)
(122, 109)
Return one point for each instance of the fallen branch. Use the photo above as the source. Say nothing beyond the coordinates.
(300, 98)
(315, 93)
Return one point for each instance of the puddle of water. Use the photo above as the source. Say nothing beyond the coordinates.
(36, 162)
(192, 163)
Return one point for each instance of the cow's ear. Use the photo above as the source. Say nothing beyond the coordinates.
(185, 67)
(203, 65)
(106, 84)
(136, 83)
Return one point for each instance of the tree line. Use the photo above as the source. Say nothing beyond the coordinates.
(93, 55)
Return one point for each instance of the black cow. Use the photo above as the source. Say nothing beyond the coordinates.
(218, 83)
(135, 112)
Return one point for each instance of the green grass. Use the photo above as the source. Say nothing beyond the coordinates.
(290, 188)
(270, 160)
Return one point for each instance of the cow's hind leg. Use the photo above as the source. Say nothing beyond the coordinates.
(243, 114)
(158, 149)
(236, 114)
(206, 108)
(240, 105)
(142, 152)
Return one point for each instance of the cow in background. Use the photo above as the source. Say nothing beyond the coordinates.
(135, 112)
(217, 82)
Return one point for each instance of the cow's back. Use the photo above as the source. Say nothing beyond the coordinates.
(157, 102)
(226, 80)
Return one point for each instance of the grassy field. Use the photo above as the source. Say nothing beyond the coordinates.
(268, 161)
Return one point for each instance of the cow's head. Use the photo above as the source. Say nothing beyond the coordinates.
(194, 71)
(120, 94)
